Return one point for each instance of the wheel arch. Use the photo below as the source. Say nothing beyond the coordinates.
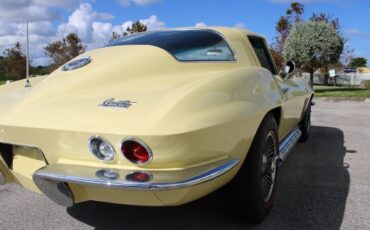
(276, 112)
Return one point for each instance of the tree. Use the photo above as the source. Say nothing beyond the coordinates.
(283, 28)
(2, 68)
(322, 17)
(347, 52)
(64, 50)
(39, 70)
(312, 45)
(136, 27)
(115, 36)
(13, 64)
(358, 62)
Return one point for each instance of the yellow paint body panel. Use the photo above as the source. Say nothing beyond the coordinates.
(25, 162)
(190, 114)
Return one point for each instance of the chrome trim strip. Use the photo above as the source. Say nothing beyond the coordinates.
(287, 145)
(72, 174)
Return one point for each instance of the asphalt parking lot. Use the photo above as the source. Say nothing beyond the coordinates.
(324, 184)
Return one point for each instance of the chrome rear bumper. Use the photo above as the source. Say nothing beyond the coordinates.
(53, 180)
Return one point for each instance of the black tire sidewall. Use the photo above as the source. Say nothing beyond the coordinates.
(270, 125)
(306, 125)
(247, 201)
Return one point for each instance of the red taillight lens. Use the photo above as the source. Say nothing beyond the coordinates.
(136, 151)
(139, 177)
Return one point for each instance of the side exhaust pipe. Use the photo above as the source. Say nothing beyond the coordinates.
(287, 145)
(57, 191)
(2, 179)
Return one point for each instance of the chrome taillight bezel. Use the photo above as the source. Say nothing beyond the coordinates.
(96, 153)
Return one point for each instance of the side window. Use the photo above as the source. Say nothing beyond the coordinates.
(262, 53)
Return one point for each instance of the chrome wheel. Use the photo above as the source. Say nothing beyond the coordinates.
(269, 166)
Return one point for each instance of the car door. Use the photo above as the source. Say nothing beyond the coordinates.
(290, 90)
(295, 99)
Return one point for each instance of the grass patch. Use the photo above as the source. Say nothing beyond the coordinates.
(2, 82)
(323, 91)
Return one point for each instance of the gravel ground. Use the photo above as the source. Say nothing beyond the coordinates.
(324, 184)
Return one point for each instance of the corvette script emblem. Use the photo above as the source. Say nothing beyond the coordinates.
(117, 104)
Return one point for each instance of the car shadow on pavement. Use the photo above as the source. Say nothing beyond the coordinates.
(312, 192)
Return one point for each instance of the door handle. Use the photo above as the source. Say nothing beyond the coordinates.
(285, 90)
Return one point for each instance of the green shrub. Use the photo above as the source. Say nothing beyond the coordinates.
(365, 84)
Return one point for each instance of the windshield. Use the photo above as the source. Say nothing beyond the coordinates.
(184, 45)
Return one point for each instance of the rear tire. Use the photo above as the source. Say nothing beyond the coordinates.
(253, 189)
(306, 125)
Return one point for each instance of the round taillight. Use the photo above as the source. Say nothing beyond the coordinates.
(101, 149)
(136, 151)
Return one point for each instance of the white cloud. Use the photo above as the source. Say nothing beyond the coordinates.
(200, 24)
(92, 27)
(34, 10)
(106, 16)
(354, 32)
(68, 4)
(102, 33)
(240, 25)
(31, 13)
(153, 23)
(84, 21)
(8, 28)
(126, 3)
(80, 22)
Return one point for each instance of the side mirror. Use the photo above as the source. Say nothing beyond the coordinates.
(289, 68)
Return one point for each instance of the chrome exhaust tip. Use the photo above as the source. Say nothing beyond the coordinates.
(56, 191)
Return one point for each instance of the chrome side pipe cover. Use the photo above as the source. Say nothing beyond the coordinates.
(287, 145)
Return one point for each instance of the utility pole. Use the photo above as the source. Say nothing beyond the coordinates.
(28, 83)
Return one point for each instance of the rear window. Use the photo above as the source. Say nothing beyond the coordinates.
(184, 45)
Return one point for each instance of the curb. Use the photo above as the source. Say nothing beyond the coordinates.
(339, 99)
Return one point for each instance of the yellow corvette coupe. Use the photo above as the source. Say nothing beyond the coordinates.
(159, 118)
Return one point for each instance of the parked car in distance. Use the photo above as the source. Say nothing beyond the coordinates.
(160, 118)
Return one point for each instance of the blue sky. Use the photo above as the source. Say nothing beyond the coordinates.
(94, 20)
(259, 16)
